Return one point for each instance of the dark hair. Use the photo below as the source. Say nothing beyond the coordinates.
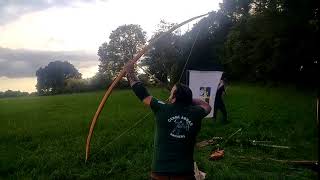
(183, 94)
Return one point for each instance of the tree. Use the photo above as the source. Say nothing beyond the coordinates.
(51, 79)
(76, 85)
(161, 59)
(99, 81)
(277, 42)
(124, 43)
(201, 48)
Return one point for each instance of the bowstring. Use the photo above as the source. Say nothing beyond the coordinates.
(185, 64)
(123, 133)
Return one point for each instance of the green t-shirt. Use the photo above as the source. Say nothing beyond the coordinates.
(175, 135)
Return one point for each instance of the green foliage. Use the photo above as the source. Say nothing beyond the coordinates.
(276, 42)
(253, 40)
(100, 81)
(124, 43)
(164, 54)
(10, 93)
(44, 137)
(144, 78)
(76, 85)
(51, 79)
(271, 40)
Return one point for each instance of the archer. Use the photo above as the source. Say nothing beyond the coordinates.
(177, 125)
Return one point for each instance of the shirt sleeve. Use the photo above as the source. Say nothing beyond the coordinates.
(201, 113)
(156, 104)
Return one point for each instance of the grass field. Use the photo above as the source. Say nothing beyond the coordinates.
(44, 137)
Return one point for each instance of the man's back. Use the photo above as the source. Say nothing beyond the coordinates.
(177, 126)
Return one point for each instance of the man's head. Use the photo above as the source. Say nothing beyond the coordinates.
(181, 94)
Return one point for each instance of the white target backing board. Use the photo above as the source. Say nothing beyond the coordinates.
(204, 84)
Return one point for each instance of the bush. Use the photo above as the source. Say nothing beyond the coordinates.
(10, 93)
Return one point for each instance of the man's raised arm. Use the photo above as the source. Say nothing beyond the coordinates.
(137, 86)
(203, 104)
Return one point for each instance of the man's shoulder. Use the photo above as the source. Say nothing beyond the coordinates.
(157, 101)
(157, 104)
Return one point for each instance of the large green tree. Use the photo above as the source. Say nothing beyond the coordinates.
(52, 78)
(124, 43)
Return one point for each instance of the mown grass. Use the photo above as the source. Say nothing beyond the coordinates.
(44, 137)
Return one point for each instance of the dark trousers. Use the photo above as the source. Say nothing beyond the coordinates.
(219, 105)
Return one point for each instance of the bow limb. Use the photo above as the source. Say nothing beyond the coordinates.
(122, 73)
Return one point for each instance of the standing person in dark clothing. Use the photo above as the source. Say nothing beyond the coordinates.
(177, 124)
(218, 103)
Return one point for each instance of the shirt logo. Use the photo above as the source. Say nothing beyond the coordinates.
(182, 125)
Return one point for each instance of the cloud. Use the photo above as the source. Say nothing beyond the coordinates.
(85, 25)
(16, 63)
(13, 9)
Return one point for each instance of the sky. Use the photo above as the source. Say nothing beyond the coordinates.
(36, 32)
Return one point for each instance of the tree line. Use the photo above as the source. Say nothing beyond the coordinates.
(265, 41)
(10, 93)
(250, 40)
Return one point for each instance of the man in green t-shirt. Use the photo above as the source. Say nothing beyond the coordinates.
(177, 125)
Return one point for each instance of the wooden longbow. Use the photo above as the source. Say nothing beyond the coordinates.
(122, 73)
